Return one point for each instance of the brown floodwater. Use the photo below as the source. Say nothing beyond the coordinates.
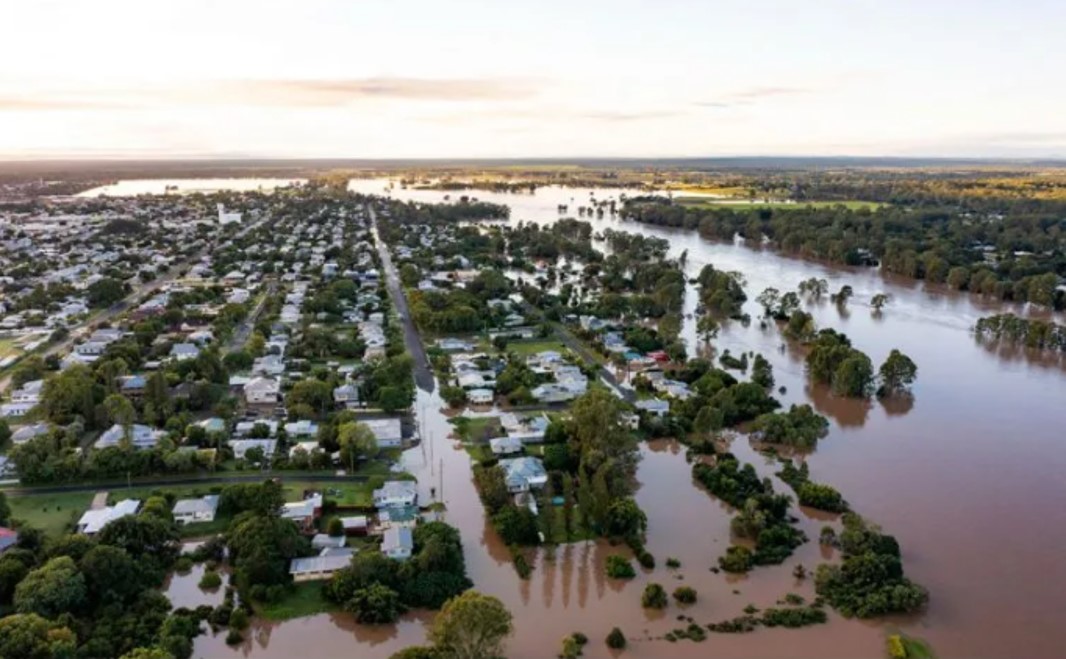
(968, 474)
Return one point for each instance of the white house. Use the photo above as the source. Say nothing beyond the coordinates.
(387, 432)
(93, 520)
(396, 493)
(654, 406)
(242, 446)
(16, 409)
(398, 543)
(187, 511)
(346, 395)
(323, 566)
(141, 436)
(260, 391)
(480, 396)
(523, 474)
(184, 351)
(505, 445)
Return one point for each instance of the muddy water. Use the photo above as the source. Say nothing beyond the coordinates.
(968, 475)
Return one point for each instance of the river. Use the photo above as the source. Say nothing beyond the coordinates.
(969, 477)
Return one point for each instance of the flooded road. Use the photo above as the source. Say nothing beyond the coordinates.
(969, 476)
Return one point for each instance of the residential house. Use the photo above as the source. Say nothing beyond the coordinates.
(242, 446)
(141, 436)
(188, 511)
(654, 406)
(305, 512)
(505, 445)
(355, 525)
(321, 567)
(398, 543)
(396, 493)
(184, 351)
(93, 520)
(346, 395)
(523, 474)
(23, 434)
(387, 432)
(261, 391)
(322, 541)
(481, 396)
(398, 516)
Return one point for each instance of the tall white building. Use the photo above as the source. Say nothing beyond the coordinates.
(227, 218)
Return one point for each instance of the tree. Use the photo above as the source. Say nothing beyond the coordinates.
(854, 376)
(148, 653)
(357, 442)
(472, 626)
(375, 604)
(120, 411)
(616, 640)
(393, 399)
(5, 510)
(897, 373)
(56, 587)
(768, 300)
(654, 597)
(72, 392)
(105, 292)
(626, 520)
(111, 575)
(29, 636)
(335, 527)
(879, 301)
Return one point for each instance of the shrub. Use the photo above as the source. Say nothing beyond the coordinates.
(234, 637)
(616, 639)
(183, 565)
(673, 563)
(211, 579)
(896, 649)
(737, 559)
(654, 597)
(238, 619)
(685, 594)
(646, 560)
(619, 568)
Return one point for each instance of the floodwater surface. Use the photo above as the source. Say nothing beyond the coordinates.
(132, 187)
(968, 475)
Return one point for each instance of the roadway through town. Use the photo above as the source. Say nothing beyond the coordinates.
(423, 373)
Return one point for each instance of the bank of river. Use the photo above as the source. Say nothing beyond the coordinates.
(968, 477)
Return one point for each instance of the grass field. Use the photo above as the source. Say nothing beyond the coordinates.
(740, 204)
(52, 513)
(305, 599)
(526, 348)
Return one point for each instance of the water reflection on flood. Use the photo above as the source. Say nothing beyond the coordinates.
(967, 474)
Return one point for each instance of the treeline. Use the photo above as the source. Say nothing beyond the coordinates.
(1009, 255)
(1029, 332)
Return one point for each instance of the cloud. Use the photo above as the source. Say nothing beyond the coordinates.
(752, 95)
(45, 103)
(324, 93)
(611, 115)
(284, 92)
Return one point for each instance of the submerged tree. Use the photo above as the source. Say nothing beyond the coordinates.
(897, 373)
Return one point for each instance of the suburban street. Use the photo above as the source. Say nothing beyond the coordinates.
(423, 373)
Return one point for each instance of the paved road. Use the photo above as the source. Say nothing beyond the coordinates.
(254, 477)
(244, 330)
(423, 372)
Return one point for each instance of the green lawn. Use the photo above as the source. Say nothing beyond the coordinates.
(776, 205)
(52, 513)
(476, 429)
(525, 348)
(305, 599)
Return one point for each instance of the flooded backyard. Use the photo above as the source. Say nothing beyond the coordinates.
(968, 476)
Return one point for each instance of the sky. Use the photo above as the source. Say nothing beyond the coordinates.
(512, 78)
